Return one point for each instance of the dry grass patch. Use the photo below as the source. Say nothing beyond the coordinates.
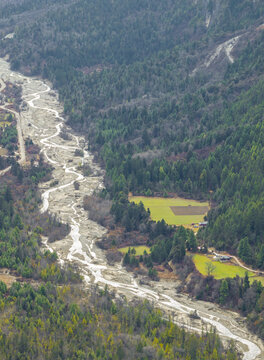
(3, 151)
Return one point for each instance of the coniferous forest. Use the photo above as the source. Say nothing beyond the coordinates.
(170, 97)
(132, 77)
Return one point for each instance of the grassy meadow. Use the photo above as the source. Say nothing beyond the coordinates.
(160, 208)
(222, 270)
(139, 249)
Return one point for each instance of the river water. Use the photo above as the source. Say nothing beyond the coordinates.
(43, 122)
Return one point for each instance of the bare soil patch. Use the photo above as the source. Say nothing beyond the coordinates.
(261, 27)
(3, 151)
(7, 278)
(189, 210)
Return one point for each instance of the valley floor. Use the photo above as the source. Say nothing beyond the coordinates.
(42, 122)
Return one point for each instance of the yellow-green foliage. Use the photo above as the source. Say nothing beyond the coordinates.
(222, 270)
(257, 278)
(4, 123)
(160, 209)
(91, 326)
(6, 119)
(139, 249)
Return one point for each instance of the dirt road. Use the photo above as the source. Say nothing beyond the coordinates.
(240, 263)
(21, 143)
(3, 172)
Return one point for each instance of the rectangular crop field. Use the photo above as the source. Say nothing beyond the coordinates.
(189, 210)
(175, 211)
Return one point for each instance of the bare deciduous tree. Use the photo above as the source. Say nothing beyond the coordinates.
(210, 268)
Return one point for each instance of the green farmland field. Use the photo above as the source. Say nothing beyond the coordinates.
(222, 270)
(139, 249)
(160, 208)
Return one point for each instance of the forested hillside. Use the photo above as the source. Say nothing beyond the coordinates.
(45, 315)
(169, 94)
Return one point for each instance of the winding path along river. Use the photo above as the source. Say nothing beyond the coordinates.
(42, 122)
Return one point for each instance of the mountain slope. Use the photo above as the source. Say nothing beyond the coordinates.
(151, 83)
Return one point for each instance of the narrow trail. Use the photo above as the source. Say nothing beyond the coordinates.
(247, 268)
(43, 123)
(4, 171)
(208, 20)
(240, 263)
(21, 143)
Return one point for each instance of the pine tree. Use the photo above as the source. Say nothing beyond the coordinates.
(246, 283)
(224, 291)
